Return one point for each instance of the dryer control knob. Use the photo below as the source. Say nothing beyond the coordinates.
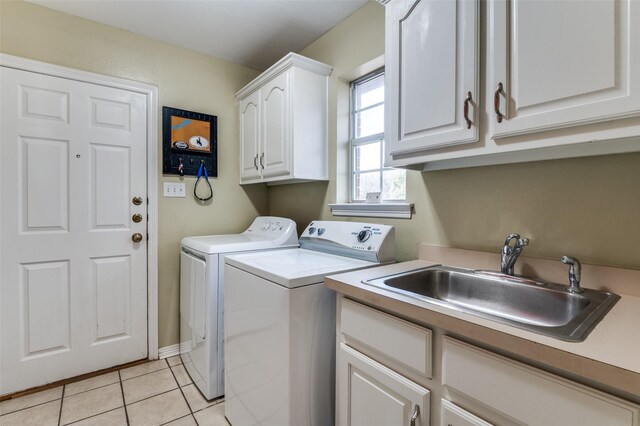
(312, 230)
(363, 235)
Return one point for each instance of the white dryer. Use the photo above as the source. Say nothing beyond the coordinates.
(202, 294)
(280, 323)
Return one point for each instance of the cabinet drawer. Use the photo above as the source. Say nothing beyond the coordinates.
(394, 341)
(452, 415)
(527, 394)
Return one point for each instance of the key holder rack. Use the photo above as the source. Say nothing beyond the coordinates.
(189, 139)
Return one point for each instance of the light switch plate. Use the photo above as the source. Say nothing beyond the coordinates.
(172, 189)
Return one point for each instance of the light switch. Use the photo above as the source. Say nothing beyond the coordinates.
(172, 189)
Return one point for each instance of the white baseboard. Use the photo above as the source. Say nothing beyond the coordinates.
(169, 351)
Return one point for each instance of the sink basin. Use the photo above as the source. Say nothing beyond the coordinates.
(544, 308)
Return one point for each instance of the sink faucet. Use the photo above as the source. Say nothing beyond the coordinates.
(574, 274)
(510, 253)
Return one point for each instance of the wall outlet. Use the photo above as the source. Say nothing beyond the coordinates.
(373, 197)
(172, 189)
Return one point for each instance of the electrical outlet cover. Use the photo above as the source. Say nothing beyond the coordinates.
(373, 197)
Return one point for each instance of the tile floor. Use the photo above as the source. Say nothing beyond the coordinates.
(152, 394)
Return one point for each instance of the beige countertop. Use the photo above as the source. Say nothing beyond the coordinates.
(608, 358)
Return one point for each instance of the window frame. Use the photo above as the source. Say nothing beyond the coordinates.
(365, 140)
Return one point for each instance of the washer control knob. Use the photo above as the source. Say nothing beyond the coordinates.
(364, 235)
(320, 231)
(312, 230)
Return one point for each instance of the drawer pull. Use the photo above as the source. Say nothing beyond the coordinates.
(496, 103)
(465, 109)
(416, 413)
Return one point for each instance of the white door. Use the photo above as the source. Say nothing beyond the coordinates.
(249, 138)
(73, 283)
(370, 394)
(562, 63)
(431, 75)
(276, 137)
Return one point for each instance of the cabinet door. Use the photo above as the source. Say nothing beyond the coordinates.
(276, 132)
(562, 63)
(432, 64)
(249, 137)
(370, 394)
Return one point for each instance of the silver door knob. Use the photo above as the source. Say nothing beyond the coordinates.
(137, 237)
(137, 218)
(137, 200)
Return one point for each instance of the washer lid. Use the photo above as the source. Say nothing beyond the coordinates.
(295, 267)
(265, 232)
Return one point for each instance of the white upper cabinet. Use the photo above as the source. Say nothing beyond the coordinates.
(283, 123)
(559, 79)
(562, 63)
(431, 74)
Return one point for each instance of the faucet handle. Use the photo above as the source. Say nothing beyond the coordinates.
(512, 237)
(521, 242)
(575, 273)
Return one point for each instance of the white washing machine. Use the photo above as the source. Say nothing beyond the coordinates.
(280, 323)
(202, 291)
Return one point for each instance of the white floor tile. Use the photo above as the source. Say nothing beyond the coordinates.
(141, 369)
(151, 384)
(174, 360)
(38, 398)
(181, 375)
(212, 416)
(90, 403)
(92, 383)
(115, 417)
(158, 410)
(183, 421)
(195, 399)
(40, 415)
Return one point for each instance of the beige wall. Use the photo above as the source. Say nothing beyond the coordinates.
(584, 207)
(186, 80)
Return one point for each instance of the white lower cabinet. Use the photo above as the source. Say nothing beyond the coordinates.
(388, 368)
(530, 395)
(374, 395)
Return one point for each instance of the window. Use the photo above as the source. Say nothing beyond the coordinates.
(366, 143)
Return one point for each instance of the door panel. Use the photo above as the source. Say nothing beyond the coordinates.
(45, 308)
(44, 185)
(112, 286)
(275, 127)
(370, 394)
(581, 69)
(43, 103)
(111, 207)
(110, 114)
(249, 128)
(425, 103)
(73, 284)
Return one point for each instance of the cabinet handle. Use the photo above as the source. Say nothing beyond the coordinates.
(466, 109)
(255, 161)
(262, 160)
(416, 413)
(496, 103)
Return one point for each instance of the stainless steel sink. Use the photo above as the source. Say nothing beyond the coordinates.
(544, 308)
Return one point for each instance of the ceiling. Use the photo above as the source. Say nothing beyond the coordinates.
(253, 33)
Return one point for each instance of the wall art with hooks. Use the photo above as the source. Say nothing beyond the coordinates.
(188, 140)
